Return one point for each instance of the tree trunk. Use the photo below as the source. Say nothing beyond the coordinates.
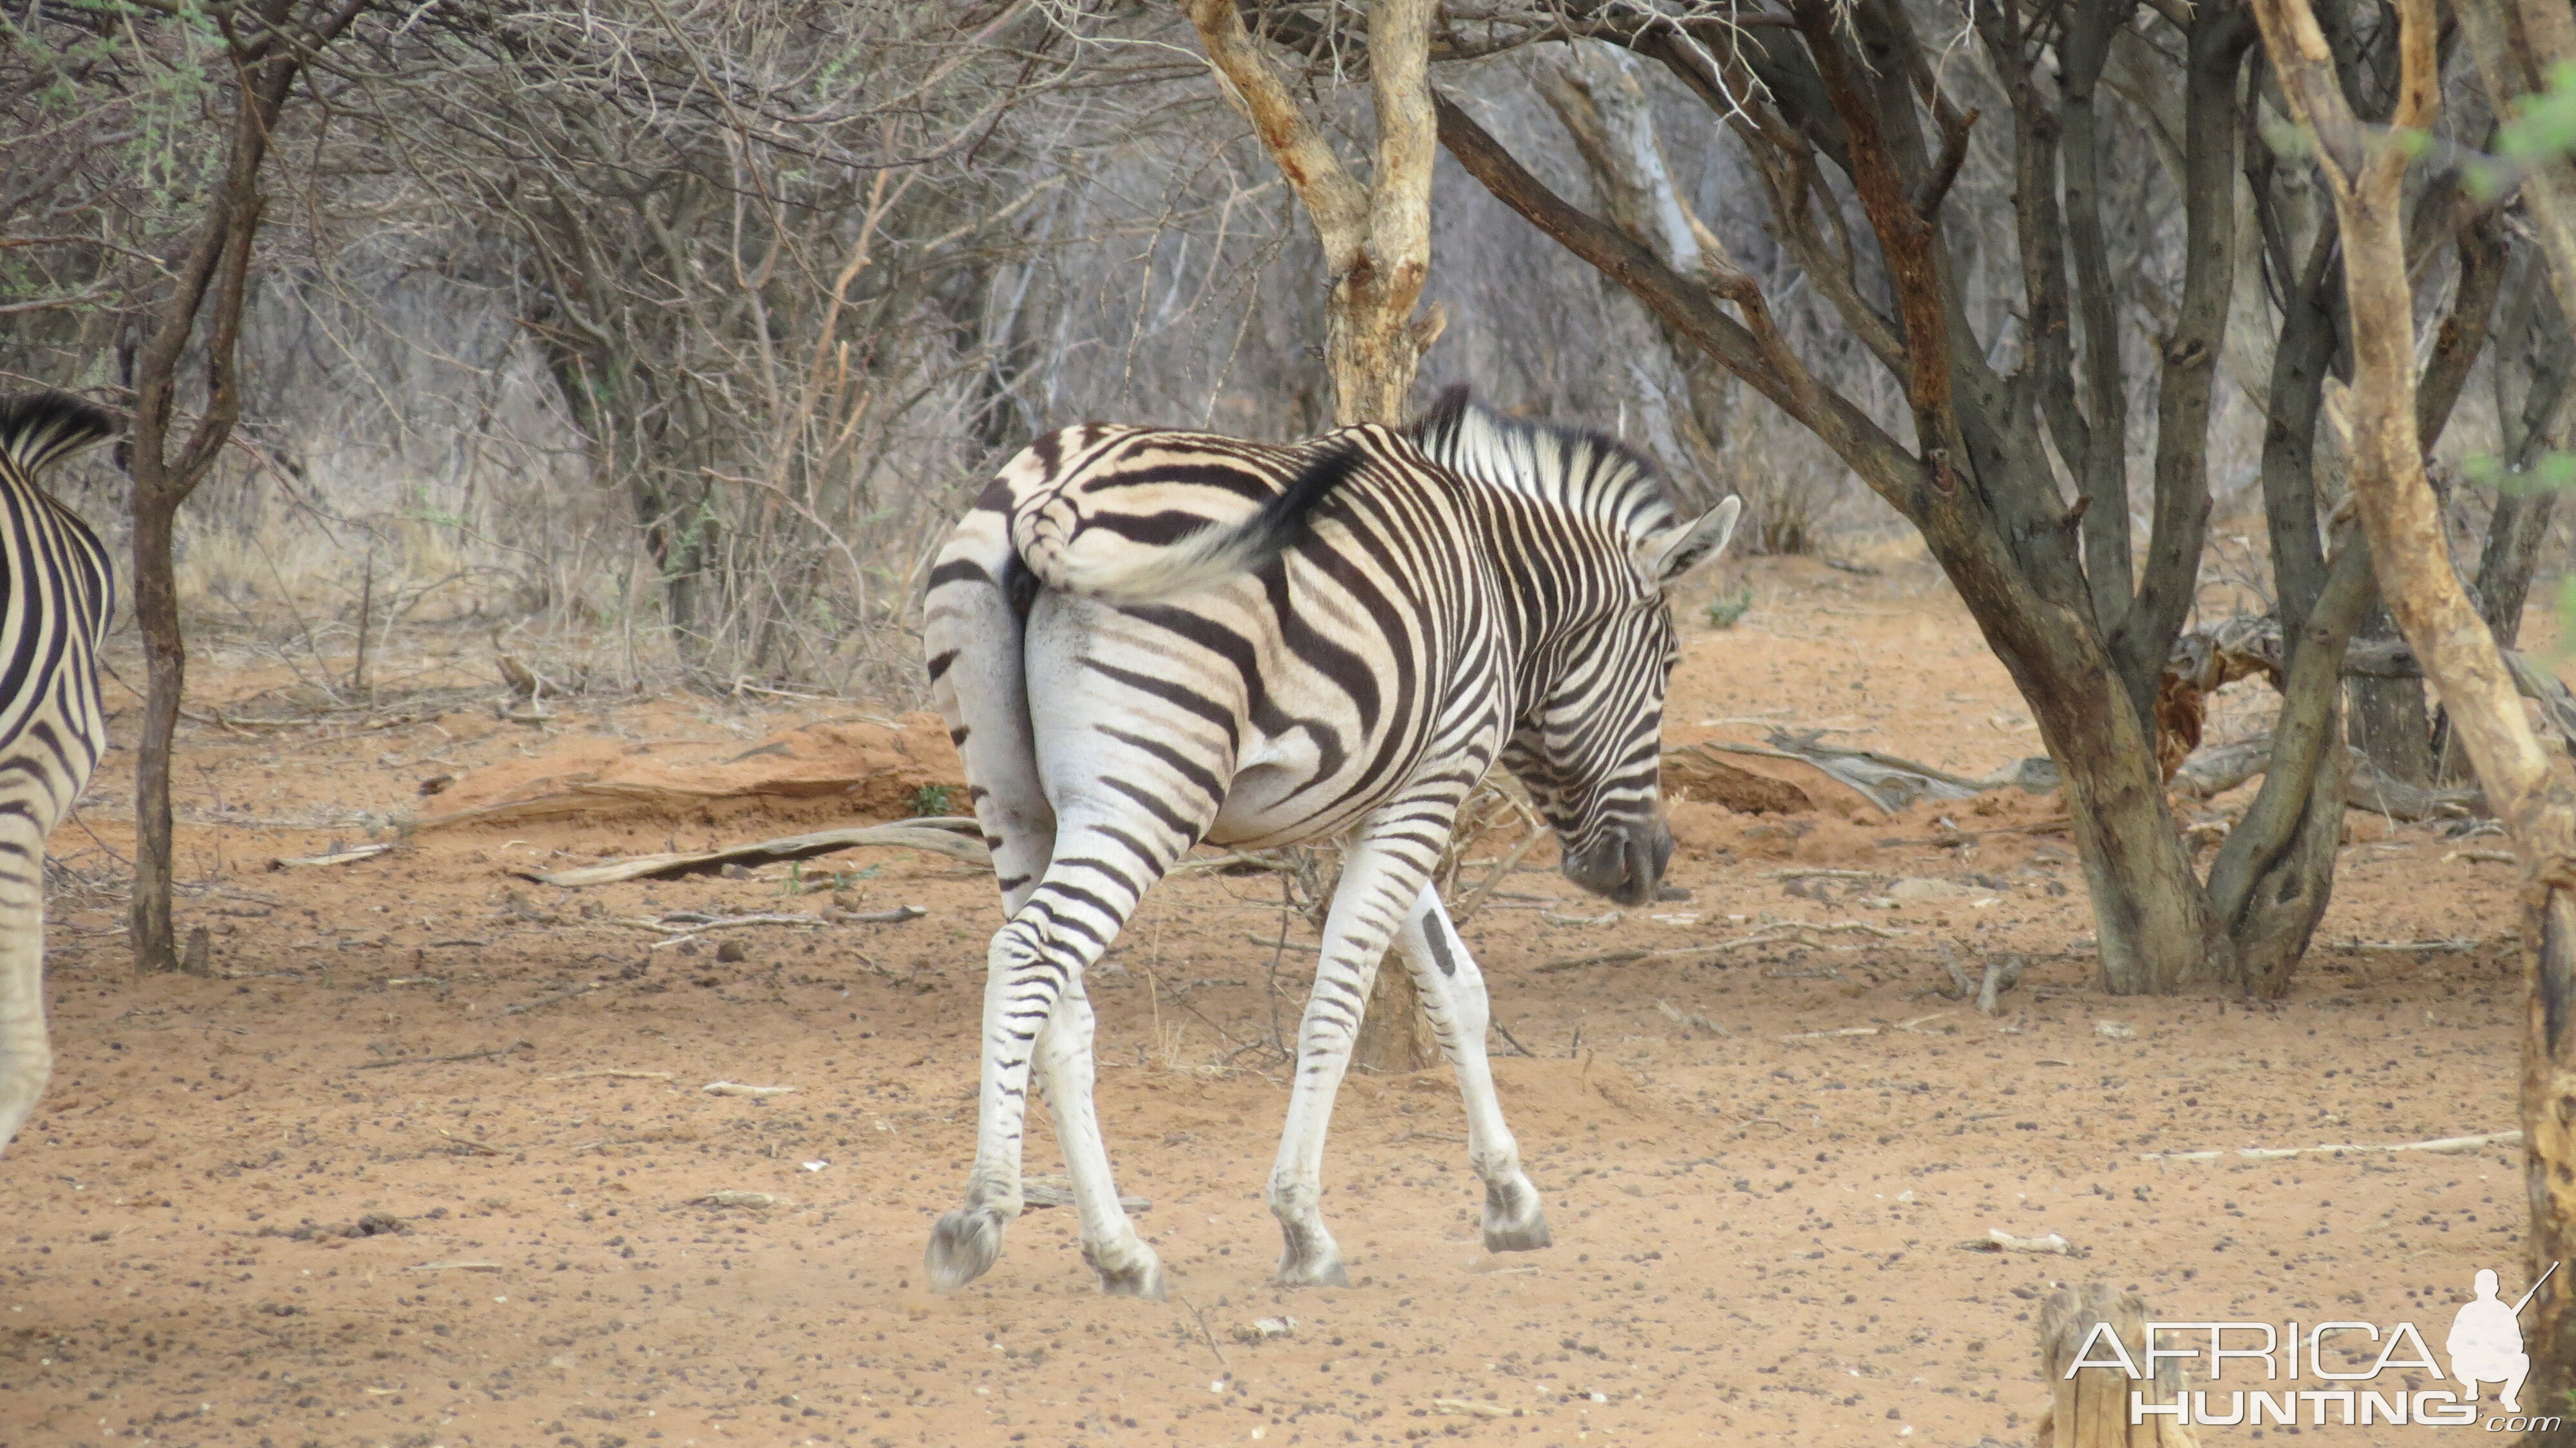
(1377, 246)
(2275, 874)
(2152, 925)
(2388, 720)
(2018, 581)
(2365, 170)
(165, 654)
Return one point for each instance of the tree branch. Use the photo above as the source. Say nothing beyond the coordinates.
(1761, 359)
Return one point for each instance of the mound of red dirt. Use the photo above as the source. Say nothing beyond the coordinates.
(851, 769)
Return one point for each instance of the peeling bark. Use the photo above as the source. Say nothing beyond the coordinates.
(2365, 169)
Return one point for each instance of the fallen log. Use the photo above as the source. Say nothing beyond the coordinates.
(1887, 781)
(2214, 771)
(955, 836)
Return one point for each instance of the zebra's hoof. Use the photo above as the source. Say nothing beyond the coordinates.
(1513, 1221)
(1140, 1275)
(1145, 1282)
(1526, 1236)
(1327, 1272)
(963, 1247)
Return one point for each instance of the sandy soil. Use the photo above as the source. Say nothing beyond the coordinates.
(259, 1209)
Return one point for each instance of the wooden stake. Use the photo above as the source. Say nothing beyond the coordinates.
(2089, 1407)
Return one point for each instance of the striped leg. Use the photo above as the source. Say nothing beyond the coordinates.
(1035, 966)
(1384, 872)
(26, 1058)
(1127, 1267)
(1453, 996)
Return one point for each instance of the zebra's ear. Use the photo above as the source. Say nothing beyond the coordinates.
(1670, 555)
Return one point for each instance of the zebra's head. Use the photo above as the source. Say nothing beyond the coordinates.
(1589, 743)
(1590, 749)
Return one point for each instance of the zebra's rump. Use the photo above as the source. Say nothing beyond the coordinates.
(1096, 509)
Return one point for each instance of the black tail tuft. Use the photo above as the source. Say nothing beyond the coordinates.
(42, 428)
(1286, 519)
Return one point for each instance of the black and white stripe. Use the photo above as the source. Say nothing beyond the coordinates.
(54, 602)
(1146, 639)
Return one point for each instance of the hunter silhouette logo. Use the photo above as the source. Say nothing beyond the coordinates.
(2484, 1346)
(2486, 1342)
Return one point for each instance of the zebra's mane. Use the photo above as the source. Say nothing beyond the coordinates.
(42, 428)
(1584, 472)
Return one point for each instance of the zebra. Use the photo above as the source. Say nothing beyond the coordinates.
(54, 613)
(1144, 639)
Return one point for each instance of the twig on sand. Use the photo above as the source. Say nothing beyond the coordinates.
(547, 1000)
(955, 836)
(736, 922)
(612, 1074)
(1204, 1332)
(438, 1060)
(1506, 1033)
(348, 856)
(1792, 930)
(2275, 1153)
(1969, 837)
(1999, 1240)
(1911, 1025)
(1819, 874)
(1691, 1019)
(2459, 944)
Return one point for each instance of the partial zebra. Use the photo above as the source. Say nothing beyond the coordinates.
(1145, 639)
(54, 604)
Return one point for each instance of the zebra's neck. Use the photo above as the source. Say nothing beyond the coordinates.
(1586, 473)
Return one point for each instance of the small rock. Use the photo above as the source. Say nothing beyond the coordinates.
(732, 951)
(2114, 1030)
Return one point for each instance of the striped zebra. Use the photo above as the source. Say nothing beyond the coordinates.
(54, 606)
(1145, 639)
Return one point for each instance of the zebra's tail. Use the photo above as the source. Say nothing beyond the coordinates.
(1212, 553)
(43, 428)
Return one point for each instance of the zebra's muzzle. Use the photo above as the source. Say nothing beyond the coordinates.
(1627, 865)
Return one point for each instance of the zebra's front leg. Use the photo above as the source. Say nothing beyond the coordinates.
(1453, 996)
(1381, 877)
(1127, 1267)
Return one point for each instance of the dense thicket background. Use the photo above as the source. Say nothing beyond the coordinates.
(604, 319)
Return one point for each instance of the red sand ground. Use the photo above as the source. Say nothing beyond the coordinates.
(1758, 1238)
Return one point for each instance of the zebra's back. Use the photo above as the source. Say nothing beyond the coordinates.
(55, 603)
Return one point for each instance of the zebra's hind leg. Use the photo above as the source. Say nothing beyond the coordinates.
(26, 1056)
(1127, 1267)
(1091, 886)
(1383, 873)
(1453, 996)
